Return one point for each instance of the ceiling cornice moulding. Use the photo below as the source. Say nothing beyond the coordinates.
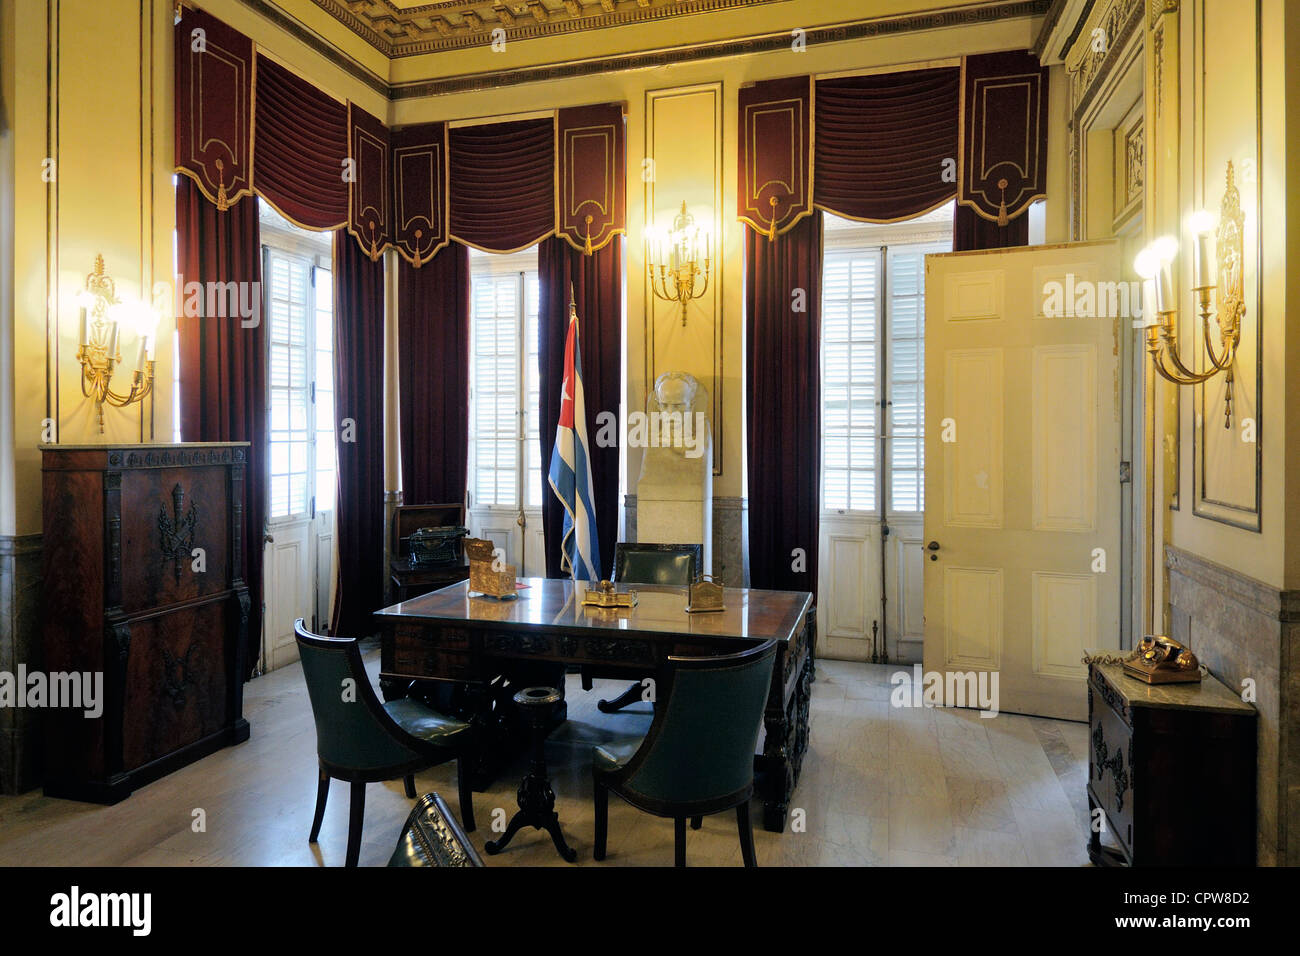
(993, 11)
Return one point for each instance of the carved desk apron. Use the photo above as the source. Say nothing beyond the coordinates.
(453, 635)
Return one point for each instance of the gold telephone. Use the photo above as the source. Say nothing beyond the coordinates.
(1160, 660)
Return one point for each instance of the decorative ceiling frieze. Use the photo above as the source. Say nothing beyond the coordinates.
(399, 28)
(972, 14)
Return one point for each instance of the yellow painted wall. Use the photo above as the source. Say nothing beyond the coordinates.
(109, 117)
(1222, 119)
(687, 137)
(88, 84)
(102, 125)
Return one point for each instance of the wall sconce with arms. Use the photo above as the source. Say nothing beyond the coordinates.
(676, 258)
(1208, 282)
(102, 316)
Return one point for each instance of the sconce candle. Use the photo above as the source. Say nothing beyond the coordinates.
(101, 328)
(1202, 224)
(1153, 264)
(676, 259)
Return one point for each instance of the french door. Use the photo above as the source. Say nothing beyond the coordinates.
(299, 557)
(873, 463)
(505, 483)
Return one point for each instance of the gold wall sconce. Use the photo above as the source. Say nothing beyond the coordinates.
(1216, 273)
(98, 351)
(676, 258)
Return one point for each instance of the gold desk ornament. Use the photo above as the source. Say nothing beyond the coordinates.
(487, 576)
(1159, 660)
(704, 595)
(605, 596)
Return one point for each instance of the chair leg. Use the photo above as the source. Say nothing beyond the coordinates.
(355, 813)
(409, 781)
(697, 822)
(602, 821)
(322, 794)
(466, 794)
(679, 841)
(746, 834)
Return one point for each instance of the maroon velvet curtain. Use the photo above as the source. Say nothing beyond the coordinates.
(597, 283)
(885, 142)
(783, 394)
(433, 370)
(223, 360)
(971, 231)
(359, 411)
(502, 187)
(301, 140)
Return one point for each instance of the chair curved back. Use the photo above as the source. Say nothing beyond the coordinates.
(700, 748)
(353, 731)
(669, 564)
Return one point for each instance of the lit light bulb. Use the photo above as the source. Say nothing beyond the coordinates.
(1166, 248)
(1146, 263)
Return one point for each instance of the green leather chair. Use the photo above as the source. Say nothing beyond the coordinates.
(698, 756)
(360, 740)
(675, 565)
(432, 837)
(672, 564)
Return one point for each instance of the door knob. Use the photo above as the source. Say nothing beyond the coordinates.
(933, 546)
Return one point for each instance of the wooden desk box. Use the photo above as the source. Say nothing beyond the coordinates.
(123, 597)
(1173, 768)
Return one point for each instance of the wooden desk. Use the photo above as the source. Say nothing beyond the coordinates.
(449, 635)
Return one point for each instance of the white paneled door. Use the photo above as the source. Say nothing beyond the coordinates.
(300, 438)
(1022, 447)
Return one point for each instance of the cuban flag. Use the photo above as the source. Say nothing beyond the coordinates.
(570, 473)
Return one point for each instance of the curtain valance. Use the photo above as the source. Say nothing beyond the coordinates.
(301, 137)
(246, 124)
(1004, 134)
(890, 146)
(591, 175)
(502, 189)
(885, 142)
(420, 191)
(215, 73)
(775, 119)
(370, 187)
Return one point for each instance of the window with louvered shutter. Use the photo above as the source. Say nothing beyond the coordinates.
(850, 345)
(289, 312)
(873, 345)
(505, 453)
(299, 309)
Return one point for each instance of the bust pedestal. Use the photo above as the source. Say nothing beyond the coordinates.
(675, 491)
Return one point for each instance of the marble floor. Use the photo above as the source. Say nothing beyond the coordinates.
(881, 786)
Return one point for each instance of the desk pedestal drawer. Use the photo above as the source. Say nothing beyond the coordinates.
(414, 658)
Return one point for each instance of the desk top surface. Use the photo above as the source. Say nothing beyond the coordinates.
(1207, 694)
(557, 603)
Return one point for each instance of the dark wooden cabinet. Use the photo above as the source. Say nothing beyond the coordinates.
(144, 583)
(1172, 766)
